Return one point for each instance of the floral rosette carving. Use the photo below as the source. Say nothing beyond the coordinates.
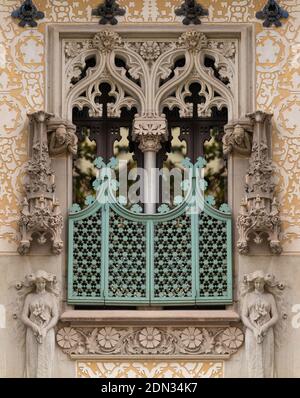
(205, 342)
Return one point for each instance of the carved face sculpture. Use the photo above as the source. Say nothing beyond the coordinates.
(40, 284)
(60, 135)
(259, 284)
(239, 134)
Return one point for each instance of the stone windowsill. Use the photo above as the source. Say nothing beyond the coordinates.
(150, 317)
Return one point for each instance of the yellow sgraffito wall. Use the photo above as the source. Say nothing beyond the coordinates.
(22, 89)
(151, 369)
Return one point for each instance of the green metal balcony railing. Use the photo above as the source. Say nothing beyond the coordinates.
(179, 257)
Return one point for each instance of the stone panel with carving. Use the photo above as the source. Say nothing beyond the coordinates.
(88, 342)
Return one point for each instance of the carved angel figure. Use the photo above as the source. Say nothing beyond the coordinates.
(260, 315)
(40, 315)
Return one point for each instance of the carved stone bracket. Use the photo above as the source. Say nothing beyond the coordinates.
(238, 137)
(259, 214)
(150, 132)
(40, 214)
(62, 137)
(149, 341)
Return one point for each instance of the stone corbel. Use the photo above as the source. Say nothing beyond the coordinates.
(259, 215)
(40, 214)
(61, 137)
(238, 137)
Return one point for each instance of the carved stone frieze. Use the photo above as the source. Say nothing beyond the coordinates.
(40, 215)
(85, 342)
(238, 137)
(259, 214)
(150, 131)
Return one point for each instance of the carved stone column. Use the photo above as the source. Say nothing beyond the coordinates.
(259, 214)
(40, 214)
(150, 131)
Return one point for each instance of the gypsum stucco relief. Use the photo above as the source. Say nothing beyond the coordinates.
(272, 90)
(150, 369)
(85, 342)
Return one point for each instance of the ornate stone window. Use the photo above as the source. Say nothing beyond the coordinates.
(155, 98)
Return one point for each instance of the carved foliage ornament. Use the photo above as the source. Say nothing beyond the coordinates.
(263, 315)
(272, 13)
(191, 11)
(27, 14)
(86, 341)
(108, 11)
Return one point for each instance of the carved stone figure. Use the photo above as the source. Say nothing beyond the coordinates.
(238, 138)
(62, 137)
(260, 315)
(40, 316)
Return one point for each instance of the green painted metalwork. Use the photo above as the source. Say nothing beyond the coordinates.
(176, 257)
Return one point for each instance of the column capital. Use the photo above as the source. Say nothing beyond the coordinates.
(150, 131)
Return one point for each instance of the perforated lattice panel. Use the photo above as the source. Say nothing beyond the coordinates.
(213, 257)
(127, 276)
(87, 257)
(173, 258)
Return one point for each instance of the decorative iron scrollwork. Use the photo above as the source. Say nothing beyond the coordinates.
(192, 11)
(272, 13)
(108, 12)
(28, 13)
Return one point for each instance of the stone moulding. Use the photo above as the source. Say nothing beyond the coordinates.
(259, 216)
